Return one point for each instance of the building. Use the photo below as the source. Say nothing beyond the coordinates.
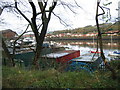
(31, 36)
(9, 34)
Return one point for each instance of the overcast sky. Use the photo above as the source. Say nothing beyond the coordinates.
(84, 16)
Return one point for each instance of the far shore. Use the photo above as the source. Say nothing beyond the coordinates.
(85, 38)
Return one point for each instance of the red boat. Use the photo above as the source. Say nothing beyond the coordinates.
(94, 52)
(63, 56)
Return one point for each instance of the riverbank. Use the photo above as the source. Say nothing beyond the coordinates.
(83, 38)
(17, 77)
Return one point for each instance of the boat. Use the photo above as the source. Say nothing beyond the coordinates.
(88, 65)
(95, 52)
(86, 59)
(63, 56)
(114, 53)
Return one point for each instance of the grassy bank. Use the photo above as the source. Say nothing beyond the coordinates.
(51, 78)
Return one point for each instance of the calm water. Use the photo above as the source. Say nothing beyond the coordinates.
(86, 46)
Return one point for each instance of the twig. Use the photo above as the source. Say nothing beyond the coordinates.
(16, 6)
(61, 21)
(68, 6)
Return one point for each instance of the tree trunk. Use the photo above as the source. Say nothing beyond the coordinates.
(38, 48)
(36, 58)
(10, 61)
(39, 40)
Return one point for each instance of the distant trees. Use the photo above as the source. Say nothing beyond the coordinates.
(89, 29)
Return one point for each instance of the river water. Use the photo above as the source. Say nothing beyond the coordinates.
(86, 46)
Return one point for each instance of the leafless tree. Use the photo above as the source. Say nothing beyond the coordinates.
(100, 40)
(45, 11)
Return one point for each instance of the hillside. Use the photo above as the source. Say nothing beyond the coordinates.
(90, 29)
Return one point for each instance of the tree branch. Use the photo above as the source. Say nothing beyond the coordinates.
(41, 12)
(21, 12)
(5, 6)
(34, 10)
(102, 10)
(31, 49)
(34, 25)
(77, 4)
(51, 9)
(42, 8)
(40, 5)
(109, 26)
(19, 38)
(39, 26)
(61, 21)
(68, 6)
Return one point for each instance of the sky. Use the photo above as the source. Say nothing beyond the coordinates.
(83, 16)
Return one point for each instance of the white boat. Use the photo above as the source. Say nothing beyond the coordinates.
(114, 53)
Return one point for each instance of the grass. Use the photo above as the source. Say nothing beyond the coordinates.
(16, 77)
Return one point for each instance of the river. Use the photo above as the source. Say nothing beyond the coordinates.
(86, 46)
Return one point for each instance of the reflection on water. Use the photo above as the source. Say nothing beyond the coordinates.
(86, 46)
(106, 44)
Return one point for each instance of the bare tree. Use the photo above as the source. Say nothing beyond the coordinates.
(45, 11)
(100, 40)
(45, 17)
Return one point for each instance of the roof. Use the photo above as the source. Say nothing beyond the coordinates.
(7, 30)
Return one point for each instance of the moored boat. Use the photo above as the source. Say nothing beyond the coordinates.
(114, 53)
(63, 56)
(95, 51)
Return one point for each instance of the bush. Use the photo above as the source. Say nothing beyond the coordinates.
(115, 64)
